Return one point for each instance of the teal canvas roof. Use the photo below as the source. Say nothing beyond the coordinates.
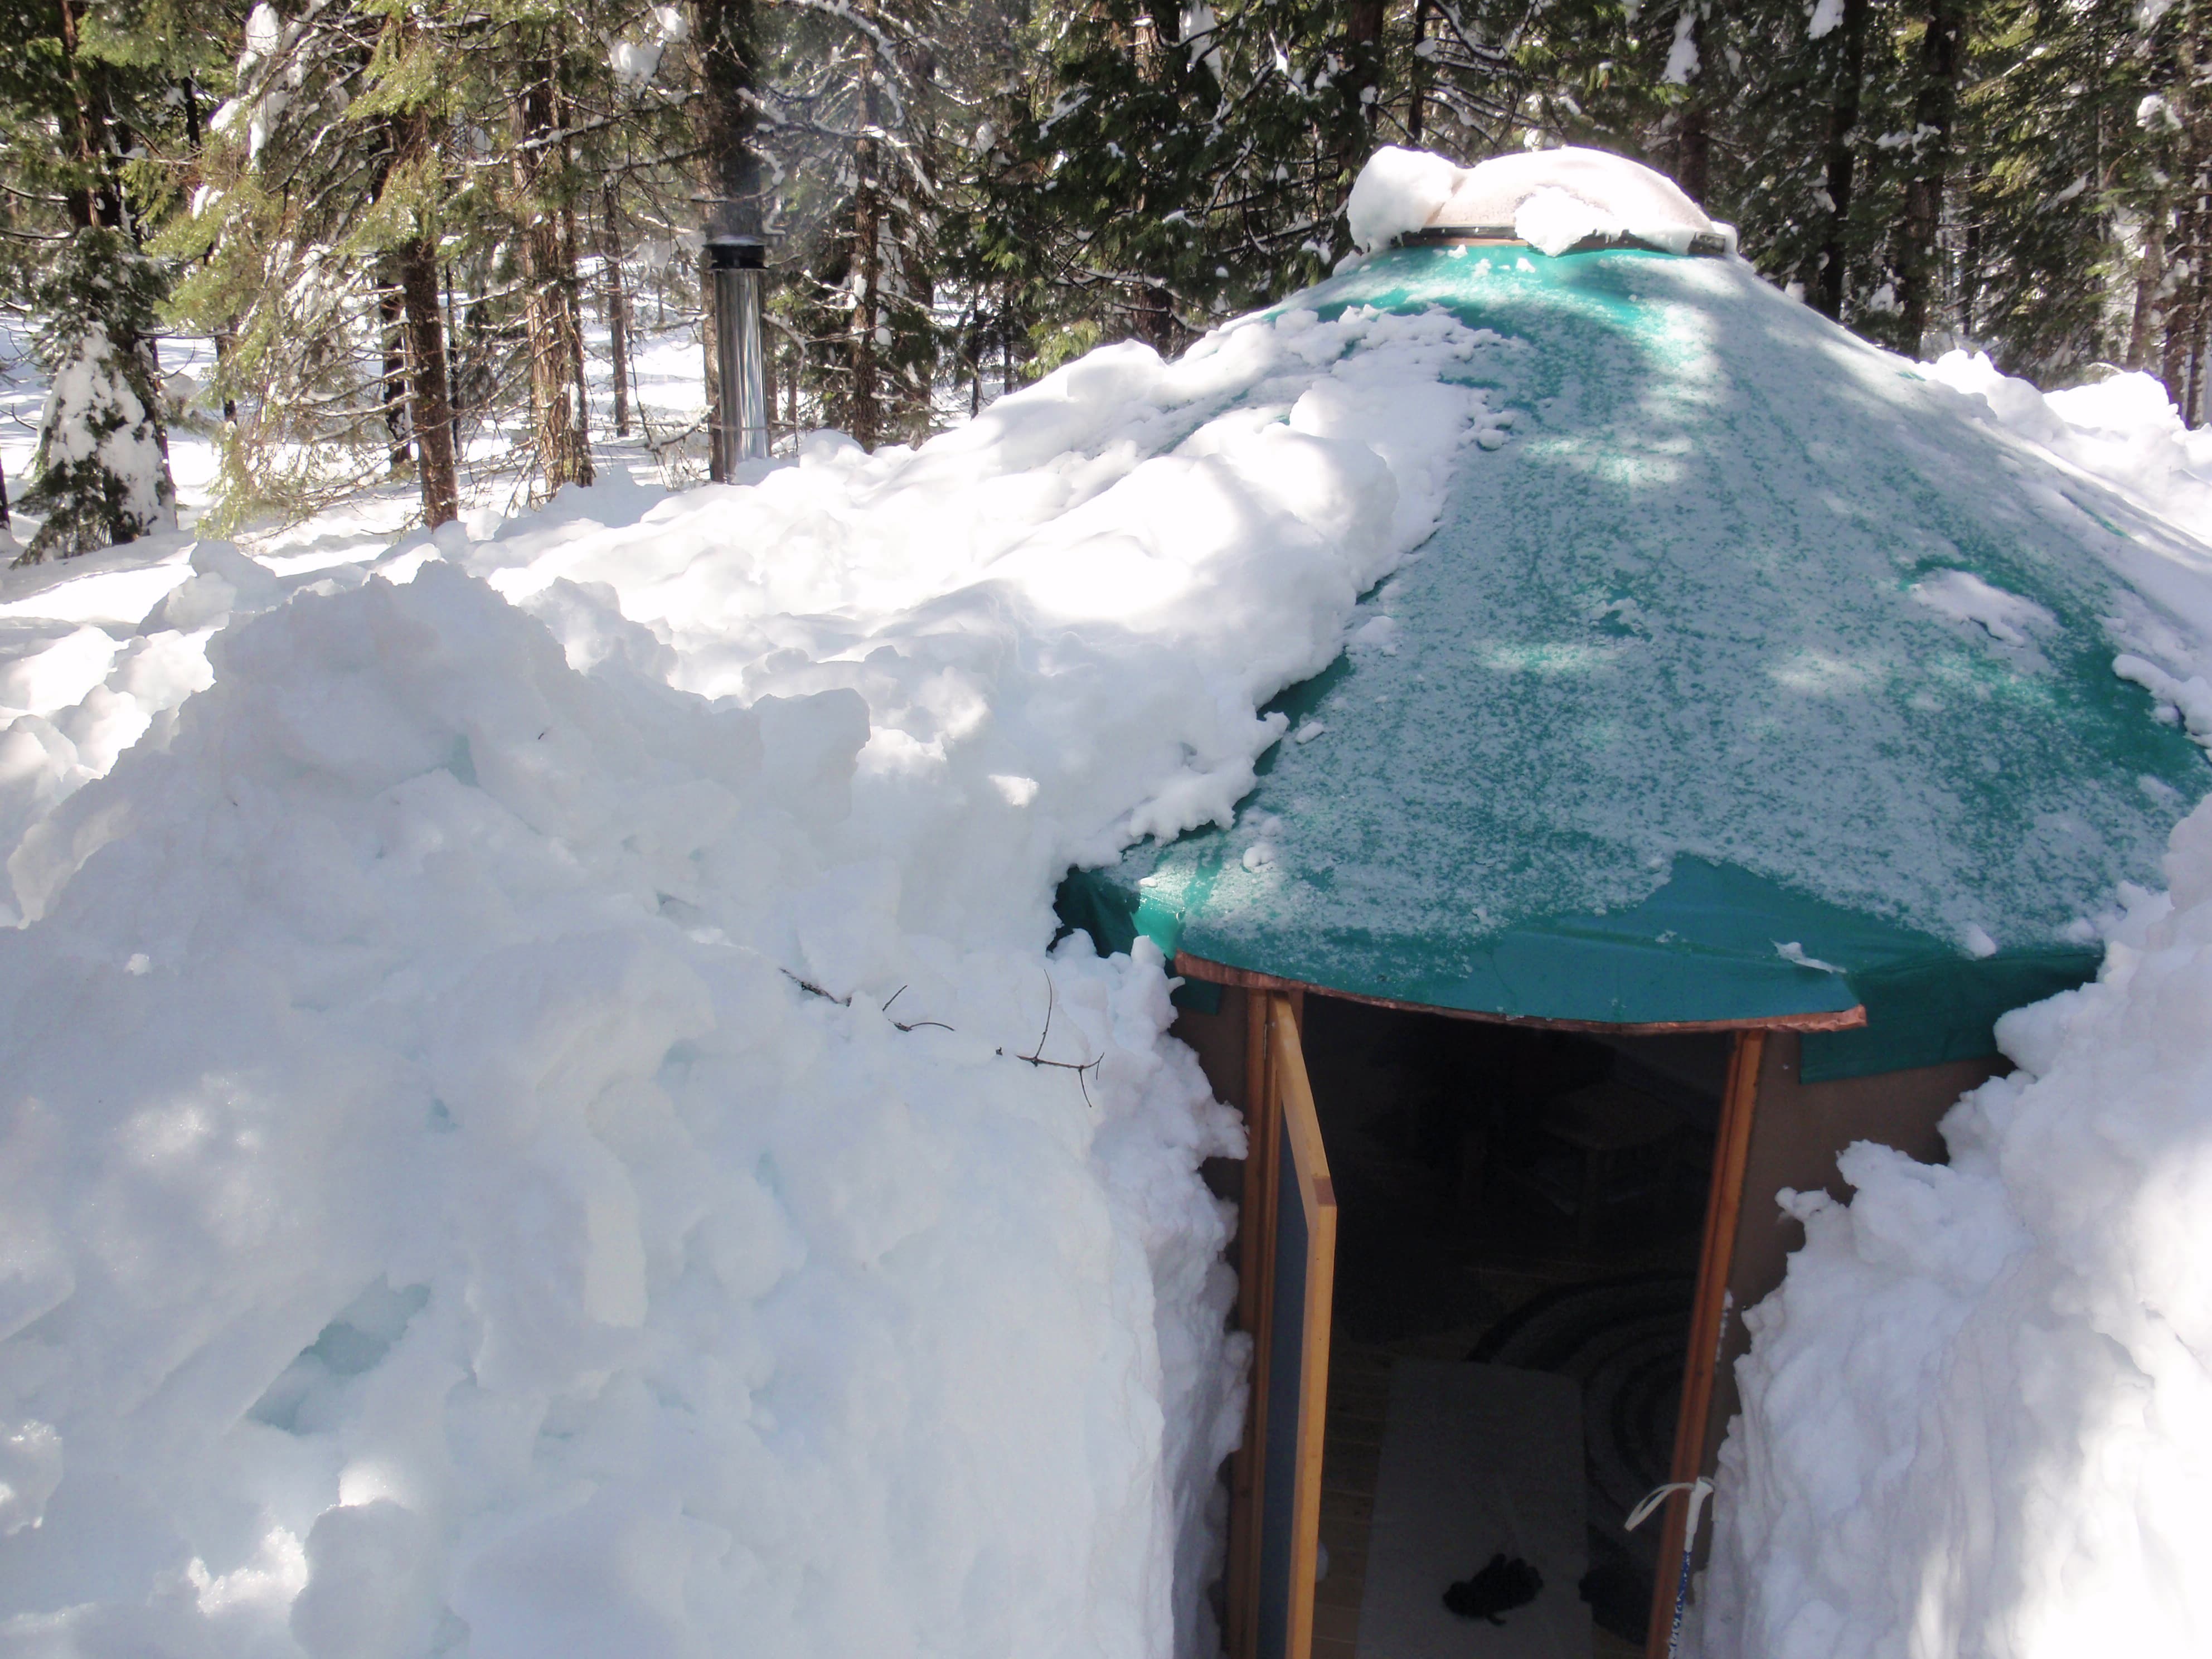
(1747, 680)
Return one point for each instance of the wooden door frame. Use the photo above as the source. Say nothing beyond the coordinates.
(1716, 1256)
(1256, 1233)
(1278, 1105)
(1262, 994)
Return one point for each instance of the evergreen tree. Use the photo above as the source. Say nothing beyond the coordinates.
(85, 93)
(1168, 168)
(2044, 271)
(102, 474)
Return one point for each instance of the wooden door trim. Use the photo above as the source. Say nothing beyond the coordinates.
(1300, 1122)
(1724, 1200)
(1217, 973)
(1255, 1263)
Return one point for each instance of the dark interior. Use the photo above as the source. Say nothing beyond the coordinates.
(1521, 1197)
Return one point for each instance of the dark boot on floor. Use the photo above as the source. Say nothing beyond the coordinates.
(1504, 1584)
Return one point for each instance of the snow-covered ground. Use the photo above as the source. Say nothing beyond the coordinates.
(1977, 1415)
(537, 1116)
(538, 1111)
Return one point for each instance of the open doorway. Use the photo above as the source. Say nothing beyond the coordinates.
(1519, 1219)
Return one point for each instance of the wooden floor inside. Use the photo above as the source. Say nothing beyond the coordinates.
(1358, 1402)
(1426, 1269)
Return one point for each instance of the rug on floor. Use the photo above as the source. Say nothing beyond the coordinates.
(1476, 1460)
(1625, 1341)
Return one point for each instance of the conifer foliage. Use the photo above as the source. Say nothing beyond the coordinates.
(410, 226)
(102, 472)
(88, 94)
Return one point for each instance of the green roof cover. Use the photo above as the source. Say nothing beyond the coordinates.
(1746, 678)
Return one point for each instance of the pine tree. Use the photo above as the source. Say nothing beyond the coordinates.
(545, 240)
(85, 101)
(102, 474)
(1170, 168)
(2044, 274)
(321, 211)
(1940, 66)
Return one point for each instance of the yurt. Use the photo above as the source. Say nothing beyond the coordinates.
(1755, 730)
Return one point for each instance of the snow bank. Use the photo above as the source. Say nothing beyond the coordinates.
(1977, 1415)
(538, 1117)
(1552, 199)
(2124, 430)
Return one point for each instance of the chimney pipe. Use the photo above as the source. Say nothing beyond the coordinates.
(735, 262)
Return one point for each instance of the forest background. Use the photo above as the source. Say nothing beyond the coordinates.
(407, 224)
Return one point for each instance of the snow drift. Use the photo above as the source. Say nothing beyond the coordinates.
(1977, 1415)
(537, 1116)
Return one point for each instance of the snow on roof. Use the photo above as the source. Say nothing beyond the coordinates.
(1552, 199)
(1668, 442)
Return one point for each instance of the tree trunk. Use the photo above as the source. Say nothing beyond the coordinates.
(2173, 340)
(972, 350)
(2192, 411)
(453, 359)
(2181, 361)
(1155, 323)
(2150, 271)
(1693, 137)
(97, 198)
(400, 453)
(1693, 152)
(729, 66)
(572, 294)
(864, 402)
(864, 406)
(1363, 30)
(571, 313)
(1843, 123)
(1417, 74)
(88, 202)
(707, 329)
(616, 303)
(1920, 264)
(430, 399)
(1363, 77)
(564, 454)
(1970, 251)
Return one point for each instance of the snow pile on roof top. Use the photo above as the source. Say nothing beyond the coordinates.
(1977, 1415)
(1551, 199)
(1399, 190)
(2123, 430)
(536, 1116)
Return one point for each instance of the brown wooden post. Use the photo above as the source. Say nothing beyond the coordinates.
(1255, 1236)
(1299, 1136)
(1724, 1198)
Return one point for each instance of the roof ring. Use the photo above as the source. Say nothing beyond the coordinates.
(1705, 245)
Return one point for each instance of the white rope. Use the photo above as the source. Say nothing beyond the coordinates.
(1699, 1490)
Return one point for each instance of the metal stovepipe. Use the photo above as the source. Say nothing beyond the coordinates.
(736, 263)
